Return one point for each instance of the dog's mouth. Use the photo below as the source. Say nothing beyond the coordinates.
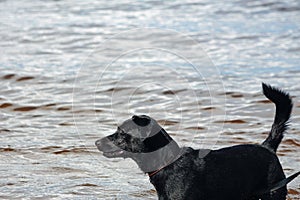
(114, 154)
(108, 149)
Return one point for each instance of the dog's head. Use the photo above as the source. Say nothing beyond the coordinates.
(140, 134)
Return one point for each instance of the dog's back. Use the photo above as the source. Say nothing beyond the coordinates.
(245, 169)
(239, 172)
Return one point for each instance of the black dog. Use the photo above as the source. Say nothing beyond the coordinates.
(241, 172)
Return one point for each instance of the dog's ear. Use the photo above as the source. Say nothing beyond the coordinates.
(141, 126)
(145, 125)
(141, 120)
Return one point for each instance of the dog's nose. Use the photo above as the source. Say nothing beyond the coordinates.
(134, 117)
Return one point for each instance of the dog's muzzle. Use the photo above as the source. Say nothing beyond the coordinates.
(108, 148)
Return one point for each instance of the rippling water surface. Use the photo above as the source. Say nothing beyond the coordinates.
(72, 70)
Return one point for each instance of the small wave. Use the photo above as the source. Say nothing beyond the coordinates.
(26, 108)
(172, 92)
(8, 76)
(25, 78)
(167, 122)
(5, 105)
(234, 121)
(208, 108)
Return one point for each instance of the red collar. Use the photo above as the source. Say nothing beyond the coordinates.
(150, 174)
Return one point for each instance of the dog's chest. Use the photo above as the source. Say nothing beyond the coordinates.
(178, 187)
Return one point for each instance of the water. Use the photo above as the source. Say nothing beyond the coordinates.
(72, 70)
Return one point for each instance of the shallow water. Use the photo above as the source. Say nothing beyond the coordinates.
(71, 71)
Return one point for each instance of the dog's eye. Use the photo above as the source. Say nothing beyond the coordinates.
(120, 131)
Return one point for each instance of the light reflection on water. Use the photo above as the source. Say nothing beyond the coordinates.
(45, 46)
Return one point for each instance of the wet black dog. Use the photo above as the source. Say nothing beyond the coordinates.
(242, 172)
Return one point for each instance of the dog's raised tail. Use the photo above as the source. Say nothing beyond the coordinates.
(283, 103)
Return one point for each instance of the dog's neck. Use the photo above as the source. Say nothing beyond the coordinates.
(156, 160)
(176, 153)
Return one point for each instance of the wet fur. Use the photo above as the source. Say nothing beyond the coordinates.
(241, 172)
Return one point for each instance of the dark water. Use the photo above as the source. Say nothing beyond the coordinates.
(72, 70)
